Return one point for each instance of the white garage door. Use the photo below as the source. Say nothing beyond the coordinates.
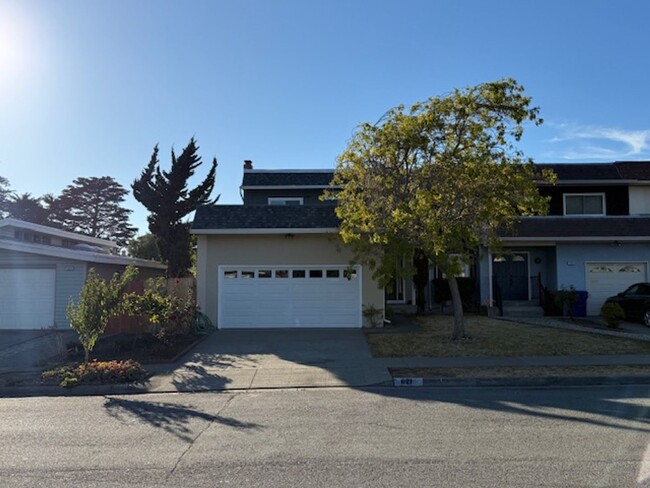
(289, 296)
(26, 298)
(607, 279)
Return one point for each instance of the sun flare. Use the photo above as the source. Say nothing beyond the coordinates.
(16, 51)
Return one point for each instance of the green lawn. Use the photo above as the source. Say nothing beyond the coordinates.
(492, 337)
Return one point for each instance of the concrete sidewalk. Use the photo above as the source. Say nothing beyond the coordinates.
(492, 362)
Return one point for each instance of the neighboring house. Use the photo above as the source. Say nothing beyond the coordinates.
(274, 261)
(42, 267)
(596, 237)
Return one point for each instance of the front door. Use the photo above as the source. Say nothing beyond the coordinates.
(511, 275)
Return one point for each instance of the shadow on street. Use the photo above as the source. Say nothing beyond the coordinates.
(606, 406)
(170, 417)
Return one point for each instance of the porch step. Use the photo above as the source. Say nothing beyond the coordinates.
(513, 308)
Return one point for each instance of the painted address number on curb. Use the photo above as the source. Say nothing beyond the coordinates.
(408, 381)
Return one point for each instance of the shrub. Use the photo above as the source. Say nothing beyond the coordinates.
(95, 372)
(566, 298)
(612, 314)
(171, 314)
(98, 301)
(374, 315)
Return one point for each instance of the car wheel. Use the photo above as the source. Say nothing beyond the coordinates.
(646, 318)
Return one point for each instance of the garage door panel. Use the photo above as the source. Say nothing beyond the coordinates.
(26, 298)
(608, 279)
(296, 300)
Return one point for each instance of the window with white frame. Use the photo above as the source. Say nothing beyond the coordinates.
(285, 200)
(584, 204)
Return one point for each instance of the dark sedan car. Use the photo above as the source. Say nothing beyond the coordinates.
(635, 302)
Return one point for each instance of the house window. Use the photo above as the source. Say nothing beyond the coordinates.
(248, 274)
(315, 273)
(584, 204)
(264, 273)
(281, 273)
(332, 273)
(230, 274)
(298, 273)
(285, 200)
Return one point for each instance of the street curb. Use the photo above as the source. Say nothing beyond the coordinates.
(136, 389)
(541, 381)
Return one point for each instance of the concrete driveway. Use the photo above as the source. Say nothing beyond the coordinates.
(280, 358)
(25, 350)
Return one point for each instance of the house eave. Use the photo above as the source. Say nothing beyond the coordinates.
(86, 256)
(554, 239)
(322, 230)
(51, 231)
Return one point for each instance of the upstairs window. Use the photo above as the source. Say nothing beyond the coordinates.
(584, 204)
(285, 201)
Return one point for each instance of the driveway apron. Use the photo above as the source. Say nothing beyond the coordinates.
(278, 358)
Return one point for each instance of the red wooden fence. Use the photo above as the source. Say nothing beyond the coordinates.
(125, 324)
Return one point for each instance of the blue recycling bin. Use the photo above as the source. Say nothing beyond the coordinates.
(579, 308)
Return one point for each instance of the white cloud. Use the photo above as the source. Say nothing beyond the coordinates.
(589, 142)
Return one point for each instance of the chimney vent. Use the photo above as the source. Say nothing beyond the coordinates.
(248, 164)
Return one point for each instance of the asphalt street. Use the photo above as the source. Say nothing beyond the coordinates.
(455, 437)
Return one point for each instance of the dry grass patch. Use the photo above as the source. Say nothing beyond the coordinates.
(492, 337)
(521, 372)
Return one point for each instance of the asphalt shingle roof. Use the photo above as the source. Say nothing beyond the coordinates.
(633, 170)
(288, 178)
(561, 226)
(583, 171)
(265, 217)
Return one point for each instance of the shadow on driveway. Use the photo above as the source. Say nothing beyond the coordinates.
(278, 358)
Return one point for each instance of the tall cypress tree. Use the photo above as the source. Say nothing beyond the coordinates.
(167, 198)
(5, 193)
(92, 206)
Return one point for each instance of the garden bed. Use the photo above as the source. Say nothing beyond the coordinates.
(144, 348)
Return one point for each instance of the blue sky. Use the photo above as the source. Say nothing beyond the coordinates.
(87, 88)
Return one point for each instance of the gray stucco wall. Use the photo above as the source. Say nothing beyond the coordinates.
(302, 249)
(70, 276)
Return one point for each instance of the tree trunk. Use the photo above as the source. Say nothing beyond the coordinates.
(86, 355)
(459, 321)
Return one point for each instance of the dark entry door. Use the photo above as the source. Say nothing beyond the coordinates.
(511, 275)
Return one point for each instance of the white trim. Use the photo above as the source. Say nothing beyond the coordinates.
(594, 194)
(322, 230)
(51, 231)
(62, 252)
(276, 200)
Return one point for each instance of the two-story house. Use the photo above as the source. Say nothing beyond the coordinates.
(273, 262)
(596, 237)
(42, 267)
